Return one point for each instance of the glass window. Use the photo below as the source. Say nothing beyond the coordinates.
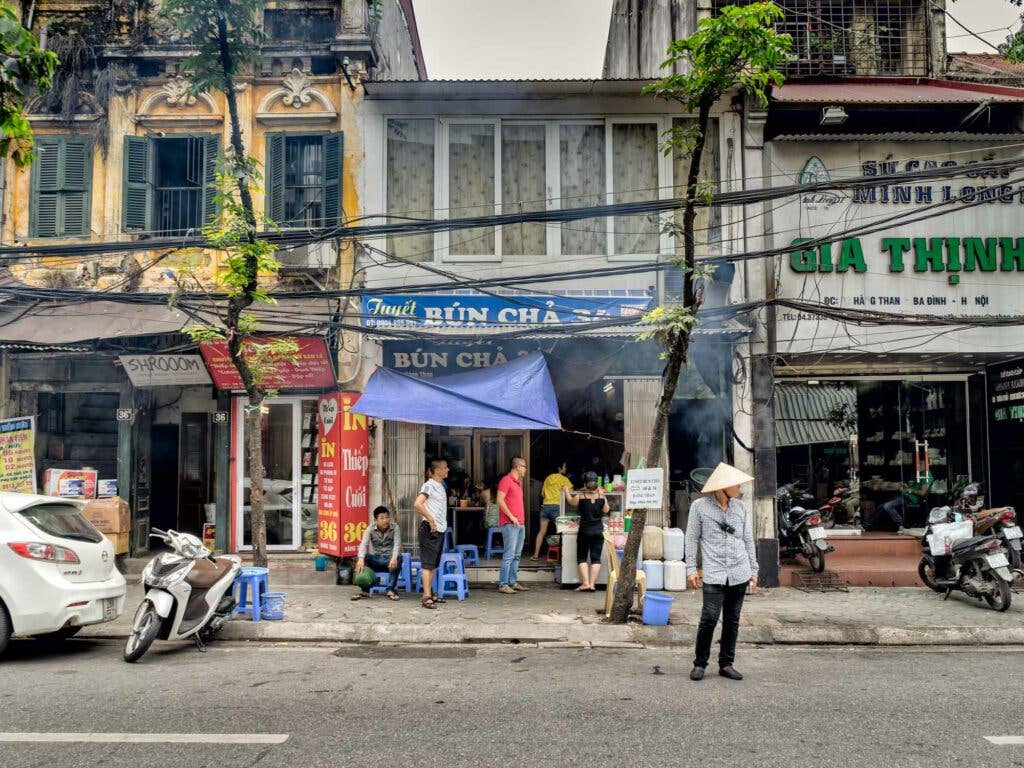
(523, 187)
(635, 179)
(303, 181)
(278, 483)
(63, 521)
(471, 186)
(582, 173)
(410, 180)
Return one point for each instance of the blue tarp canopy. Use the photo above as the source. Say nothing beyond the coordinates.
(514, 395)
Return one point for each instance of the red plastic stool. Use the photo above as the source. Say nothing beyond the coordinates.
(554, 554)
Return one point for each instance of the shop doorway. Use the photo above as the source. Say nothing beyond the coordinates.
(164, 457)
(290, 464)
(195, 475)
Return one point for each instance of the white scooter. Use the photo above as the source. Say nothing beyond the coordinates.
(188, 594)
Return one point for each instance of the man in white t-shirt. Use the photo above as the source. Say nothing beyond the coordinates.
(432, 506)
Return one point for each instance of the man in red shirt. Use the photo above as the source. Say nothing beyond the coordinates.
(512, 519)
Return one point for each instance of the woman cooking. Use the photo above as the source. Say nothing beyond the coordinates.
(592, 506)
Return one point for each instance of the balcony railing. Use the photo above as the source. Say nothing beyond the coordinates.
(854, 37)
(179, 210)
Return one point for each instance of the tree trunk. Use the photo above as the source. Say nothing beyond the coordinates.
(677, 346)
(238, 303)
(257, 513)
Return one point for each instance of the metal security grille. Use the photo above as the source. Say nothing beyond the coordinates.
(854, 37)
(404, 446)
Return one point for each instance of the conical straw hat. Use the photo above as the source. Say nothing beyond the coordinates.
(725, 476)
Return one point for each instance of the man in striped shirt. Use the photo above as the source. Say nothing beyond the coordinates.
(721, 529)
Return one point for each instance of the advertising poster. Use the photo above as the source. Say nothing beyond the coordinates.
(344, 476)
(310, 368)
(18, 455)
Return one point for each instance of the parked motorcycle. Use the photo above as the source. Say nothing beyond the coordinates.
(999, 521)
(978, 566)
(843, 505)
(793, 495)
(800, 533)
(188, 595)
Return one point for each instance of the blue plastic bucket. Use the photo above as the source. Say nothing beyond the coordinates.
(657, 607)
(320, 563)
(273, 606)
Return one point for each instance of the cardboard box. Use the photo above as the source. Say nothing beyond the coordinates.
(120, 542)
(109, 515)
(70, 483)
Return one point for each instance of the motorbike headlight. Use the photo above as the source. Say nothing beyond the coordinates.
(160, 574)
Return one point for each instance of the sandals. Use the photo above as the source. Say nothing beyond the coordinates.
(428, 602)
(392, 596)
(359, 596)
(581, 588)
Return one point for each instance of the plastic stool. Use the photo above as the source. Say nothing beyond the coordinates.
(416, 571)
(448, 546)
(554, 554)
(256, 579)
(404, 576)
(490, 550)
(451, 562)
(460, 588)
(470, 553)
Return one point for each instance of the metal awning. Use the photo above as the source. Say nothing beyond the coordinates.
(896, 91)
(802, 413)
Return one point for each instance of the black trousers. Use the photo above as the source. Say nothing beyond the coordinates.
(719, 599)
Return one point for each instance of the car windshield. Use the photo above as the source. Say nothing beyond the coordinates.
(63, 520)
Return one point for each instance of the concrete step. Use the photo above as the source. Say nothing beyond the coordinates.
(877, 545)
(883, 571)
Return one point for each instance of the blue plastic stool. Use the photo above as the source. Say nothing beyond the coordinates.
(453, 585)
(253, 578)
(404, 576)
(491, 550)
(448, 546)
(470, 553)
(416, 568)
(451, 562)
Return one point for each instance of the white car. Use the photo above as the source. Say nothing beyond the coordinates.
(57, 571)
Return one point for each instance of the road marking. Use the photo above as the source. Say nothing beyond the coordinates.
(145, 738)
(1005, 740)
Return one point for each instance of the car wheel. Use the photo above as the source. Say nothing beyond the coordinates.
(60, 635)
(6, 628)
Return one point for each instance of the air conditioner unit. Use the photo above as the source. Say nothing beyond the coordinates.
(319, 256)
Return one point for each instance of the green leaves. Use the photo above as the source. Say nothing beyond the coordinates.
(22, 66)
(200, 23)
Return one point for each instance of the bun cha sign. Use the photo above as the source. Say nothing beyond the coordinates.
(471, 310)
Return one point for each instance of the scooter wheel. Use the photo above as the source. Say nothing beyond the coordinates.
(926, 572)
(144, 631)
(1000, 601)
(828, 518)
(816, 559)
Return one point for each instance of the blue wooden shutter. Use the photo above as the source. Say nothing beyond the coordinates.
(76, 184)
(333, 152)
(211, 150)
(274, 177)
(45, 197)
(137, 209)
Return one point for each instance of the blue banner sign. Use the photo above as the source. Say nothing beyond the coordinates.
(482, 311)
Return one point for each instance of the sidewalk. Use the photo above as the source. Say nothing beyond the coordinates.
(863, 616)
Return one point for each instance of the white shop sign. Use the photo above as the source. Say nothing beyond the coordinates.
(645, 488)
(165, 370)
(966, 261)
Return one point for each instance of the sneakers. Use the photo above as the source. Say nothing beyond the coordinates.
(506, 590)
(697, 673)
(520, 588)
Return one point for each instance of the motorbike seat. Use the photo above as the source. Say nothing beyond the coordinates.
(797, 514)
(205, 574)
(965, 545)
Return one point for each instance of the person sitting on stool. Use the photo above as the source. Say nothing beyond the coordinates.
(381, 550)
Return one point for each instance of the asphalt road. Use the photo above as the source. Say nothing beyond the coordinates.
(507, 705)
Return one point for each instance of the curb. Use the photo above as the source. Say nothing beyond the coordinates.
(603, 635)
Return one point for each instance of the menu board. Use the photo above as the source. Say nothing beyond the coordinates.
(309, 368)
(18, 455)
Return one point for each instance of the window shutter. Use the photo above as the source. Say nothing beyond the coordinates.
(137, 210)
(211, 149)
(333, 148)
(76, 186)
(45, 185)
(275, 174)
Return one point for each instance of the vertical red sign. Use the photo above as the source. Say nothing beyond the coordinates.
(344, 475)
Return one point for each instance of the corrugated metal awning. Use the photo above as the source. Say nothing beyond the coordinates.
(802, 413)
(500, 89)
(896, 91)
(959, 136)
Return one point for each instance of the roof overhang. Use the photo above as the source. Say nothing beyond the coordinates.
(455, 90)
(888, 91)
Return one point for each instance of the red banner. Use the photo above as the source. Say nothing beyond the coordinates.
(344, 475)
(311, 368)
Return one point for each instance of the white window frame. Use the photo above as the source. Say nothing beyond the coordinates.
(443, 181)
(552, 124)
